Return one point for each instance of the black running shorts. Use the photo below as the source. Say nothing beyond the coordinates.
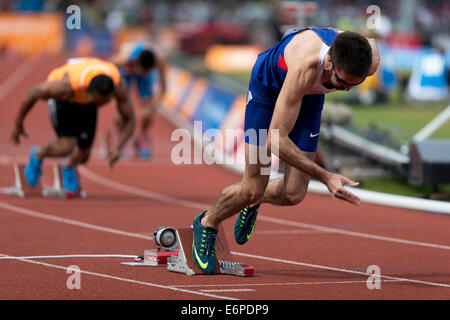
(74, 120)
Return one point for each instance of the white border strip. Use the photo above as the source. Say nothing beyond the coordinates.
(397, 201)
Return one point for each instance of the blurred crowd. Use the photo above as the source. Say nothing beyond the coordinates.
(427, 15)
(430, 15)
(193, 26)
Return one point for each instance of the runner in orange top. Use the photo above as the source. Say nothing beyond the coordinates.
(74, 92)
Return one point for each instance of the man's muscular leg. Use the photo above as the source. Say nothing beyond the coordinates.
(146, 118)
(290, 189)
(60, 147)
(79, 155)
(239, 195)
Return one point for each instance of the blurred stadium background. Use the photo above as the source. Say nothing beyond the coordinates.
(369, 133)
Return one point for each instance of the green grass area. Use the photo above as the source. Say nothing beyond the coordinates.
(400, 187)
(403, 120)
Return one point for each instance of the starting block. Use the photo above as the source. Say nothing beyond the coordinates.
(225, 264)
(21, 188)
(180, 260)
(152, 258)
(55, 190)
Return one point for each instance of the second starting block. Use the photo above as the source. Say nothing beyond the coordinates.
(54, 190)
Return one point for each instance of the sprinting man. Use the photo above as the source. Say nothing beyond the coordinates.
(74, 92)
(136, 62)
(285, 98)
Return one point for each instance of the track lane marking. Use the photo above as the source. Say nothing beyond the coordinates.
(107, 276)
(77, 223)
(16, 76)
(277, 283)
(309, 265)
(124, 233)
(227, 290)
(197, 205)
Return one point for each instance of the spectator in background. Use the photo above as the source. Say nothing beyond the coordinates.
(428, 79)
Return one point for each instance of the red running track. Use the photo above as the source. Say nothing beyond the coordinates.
(319, 249)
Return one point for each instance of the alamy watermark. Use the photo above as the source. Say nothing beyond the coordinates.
(73, 21)
(374, 19)
(74, 280)
(374, 281)
(209, 145)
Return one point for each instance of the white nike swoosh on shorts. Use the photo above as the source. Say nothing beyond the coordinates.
(313, 135)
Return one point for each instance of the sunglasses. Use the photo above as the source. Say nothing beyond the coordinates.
(332, 71)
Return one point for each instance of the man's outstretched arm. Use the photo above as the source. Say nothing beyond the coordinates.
(297, 83)
(45, 90)
(128, 121)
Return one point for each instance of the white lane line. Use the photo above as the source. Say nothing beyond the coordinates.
(227, 290)
(351, 233)
(16, 76)
(136, 191)
(46, 216)
(192, 204)
(150, 284)
(278, 284)
(248, 255)
(65, 256)
(130, 234)
(287, 231)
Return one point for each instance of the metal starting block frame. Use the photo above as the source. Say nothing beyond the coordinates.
(55, 190)
(180, 260)
(152, 258)
(225, 264)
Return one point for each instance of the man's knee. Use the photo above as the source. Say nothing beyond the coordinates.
(292, 197)
(85, 154)
(253, 189)
(61, 147)
(252, 195)
(147, 113)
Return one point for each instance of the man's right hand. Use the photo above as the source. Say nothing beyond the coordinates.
(16, 132)
(336, 182)
(113, 156)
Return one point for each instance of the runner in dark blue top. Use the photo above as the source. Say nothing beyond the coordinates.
(284, 104)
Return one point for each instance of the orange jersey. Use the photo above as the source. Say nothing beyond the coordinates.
(80, 72)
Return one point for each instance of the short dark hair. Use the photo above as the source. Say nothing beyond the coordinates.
(147, 59)
(102, 84)
(352, 53)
